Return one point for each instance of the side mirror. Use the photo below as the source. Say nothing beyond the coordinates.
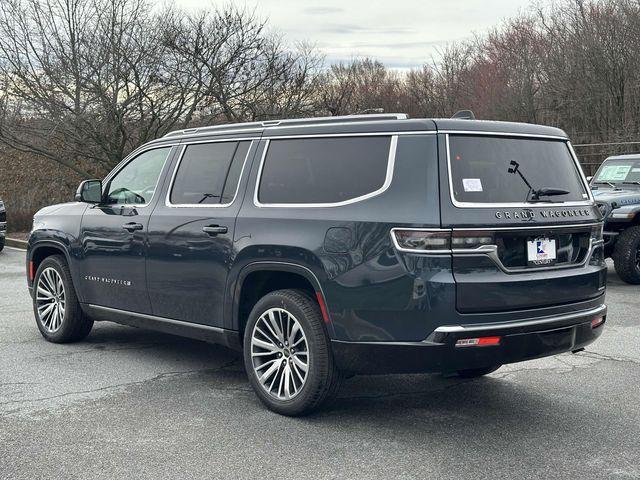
(589, 179)
(89, 191)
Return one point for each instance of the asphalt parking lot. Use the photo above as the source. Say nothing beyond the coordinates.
(137, 404)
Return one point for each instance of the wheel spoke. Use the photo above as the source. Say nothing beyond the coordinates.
(273, 337)
(276, 327)
(270, 371)
(44, 293)
(295, 369)
(300, 364)
(287, 377)
(262, 344)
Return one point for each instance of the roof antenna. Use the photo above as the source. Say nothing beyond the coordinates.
(464, 114)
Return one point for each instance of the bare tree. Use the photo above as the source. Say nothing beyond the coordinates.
(86, 81)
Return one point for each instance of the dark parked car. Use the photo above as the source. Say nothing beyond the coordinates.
(3, 224)
(616, 189)
(329, 247)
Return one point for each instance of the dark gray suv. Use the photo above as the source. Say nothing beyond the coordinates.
(328, 247)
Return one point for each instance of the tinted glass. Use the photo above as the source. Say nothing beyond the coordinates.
(323, 170)
(202, 174)
(480, 170)
(619, 171)
(136, 182)
(235, 170)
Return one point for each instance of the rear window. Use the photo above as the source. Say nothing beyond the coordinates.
(619, 171)
(323, 170)
(488, 169)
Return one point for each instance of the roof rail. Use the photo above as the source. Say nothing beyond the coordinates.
(290, 122)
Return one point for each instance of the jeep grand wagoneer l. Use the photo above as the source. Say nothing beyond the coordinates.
(327, 247)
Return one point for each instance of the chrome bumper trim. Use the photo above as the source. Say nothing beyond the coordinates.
(600, 310)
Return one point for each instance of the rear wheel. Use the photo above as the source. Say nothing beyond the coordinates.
(1, 243)
(55, 304)
(287, 354)
(477, 372)
(626, 255)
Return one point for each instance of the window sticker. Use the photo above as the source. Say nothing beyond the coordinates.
(472, 184)
(614, 173)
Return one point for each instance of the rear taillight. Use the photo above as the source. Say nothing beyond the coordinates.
(443, 241)
(469, 239)
(596, 322)
(415, 240)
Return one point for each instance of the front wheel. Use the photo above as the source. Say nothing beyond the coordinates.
(287, 354)
(55, 304)
(626, 255)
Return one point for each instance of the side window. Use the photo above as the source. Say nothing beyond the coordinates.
(136, 183)
(323, 170)
(209, 173)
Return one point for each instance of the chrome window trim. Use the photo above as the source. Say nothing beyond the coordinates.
(456, 203)
(128, 159)
(385, 186)
(167, 201)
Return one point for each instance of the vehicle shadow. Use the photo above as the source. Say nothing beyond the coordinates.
(451, 401)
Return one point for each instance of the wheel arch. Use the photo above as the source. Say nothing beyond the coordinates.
(286, 275)
(41, 250)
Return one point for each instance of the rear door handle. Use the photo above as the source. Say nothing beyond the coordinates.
(214, 230)
(132, 227)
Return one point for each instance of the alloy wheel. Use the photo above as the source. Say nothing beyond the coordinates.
(280, 353)
(50, 299)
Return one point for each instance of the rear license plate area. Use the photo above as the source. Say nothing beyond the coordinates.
(541, 251)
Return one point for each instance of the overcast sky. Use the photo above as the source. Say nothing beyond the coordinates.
(400, 33)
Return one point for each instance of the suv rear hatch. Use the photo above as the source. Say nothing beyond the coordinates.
(526, 233)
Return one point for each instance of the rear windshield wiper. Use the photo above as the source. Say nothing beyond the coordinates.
(514, 167)
(549, 192)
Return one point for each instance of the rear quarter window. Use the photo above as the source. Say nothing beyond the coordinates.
(324, 170)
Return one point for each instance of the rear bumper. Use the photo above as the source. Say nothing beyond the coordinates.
(520, 340)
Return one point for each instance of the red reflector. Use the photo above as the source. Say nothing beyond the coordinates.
(478, 342)
(596, 322)
(31, 275)
(323, 308)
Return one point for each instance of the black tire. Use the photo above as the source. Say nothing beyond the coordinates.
(75, 325)
(477, 372)
(1, 243)
(323, 378)
(626, 255)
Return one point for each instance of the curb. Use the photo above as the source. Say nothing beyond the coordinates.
(15, 243)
